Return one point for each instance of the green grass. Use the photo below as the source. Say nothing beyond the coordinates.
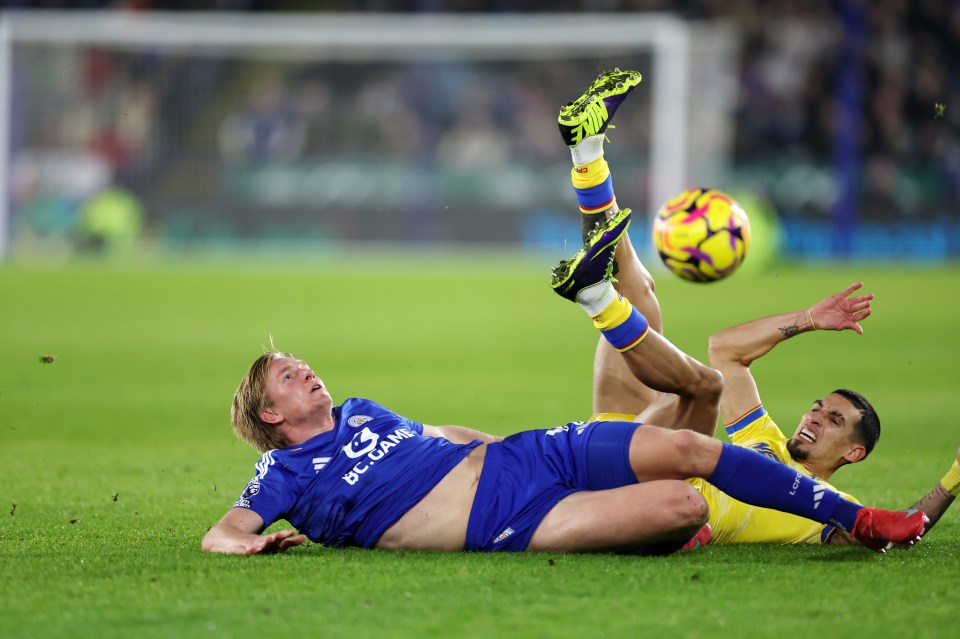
(118, 455)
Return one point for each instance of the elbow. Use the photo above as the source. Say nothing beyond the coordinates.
(716, 350)
(723, 354)
(208, 543)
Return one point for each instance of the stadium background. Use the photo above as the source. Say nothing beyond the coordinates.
(826, 113)
(418, 278)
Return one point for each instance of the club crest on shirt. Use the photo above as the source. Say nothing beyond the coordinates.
(764, 449)
(358, 420)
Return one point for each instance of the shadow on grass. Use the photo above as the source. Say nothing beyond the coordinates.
(846, 554)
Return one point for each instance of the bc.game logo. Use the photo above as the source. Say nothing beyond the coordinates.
(361, 444)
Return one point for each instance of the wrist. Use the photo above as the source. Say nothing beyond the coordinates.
(951, 481)
(811, 325)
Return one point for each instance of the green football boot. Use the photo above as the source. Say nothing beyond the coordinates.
(590, 114)
(594, 262)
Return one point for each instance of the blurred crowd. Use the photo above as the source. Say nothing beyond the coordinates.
(871, 88)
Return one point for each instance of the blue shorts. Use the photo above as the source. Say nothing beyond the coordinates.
(526, 474)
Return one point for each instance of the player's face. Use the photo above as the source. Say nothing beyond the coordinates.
(294, 390)
(824, 433)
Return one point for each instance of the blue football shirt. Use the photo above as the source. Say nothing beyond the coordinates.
(347, 486)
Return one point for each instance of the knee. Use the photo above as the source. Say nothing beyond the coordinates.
(686, 443)
(706, 382)
(692, 452)
(690, 511)
(645, 282)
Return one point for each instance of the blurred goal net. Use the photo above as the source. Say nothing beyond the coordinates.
(217, 130)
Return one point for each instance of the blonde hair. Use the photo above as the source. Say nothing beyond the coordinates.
(250, 399)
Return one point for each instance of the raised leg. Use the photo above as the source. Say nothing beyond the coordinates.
(622, 384)
(650, 358)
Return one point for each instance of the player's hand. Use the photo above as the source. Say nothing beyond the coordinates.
(840, 311)
(275, 542)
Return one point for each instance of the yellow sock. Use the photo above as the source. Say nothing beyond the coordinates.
(592, 174)
(616, 313)
(621, 324)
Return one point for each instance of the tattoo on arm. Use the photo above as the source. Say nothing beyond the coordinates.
(934, 504)
(790, 331)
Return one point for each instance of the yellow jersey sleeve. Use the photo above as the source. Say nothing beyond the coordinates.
(735, 522)
(757, 431)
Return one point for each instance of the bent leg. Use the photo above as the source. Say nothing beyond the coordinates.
(662, 367)
(621, 519)
(615, 388)
(636, 284)
(634, 382)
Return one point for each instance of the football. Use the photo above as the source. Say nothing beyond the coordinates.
(702, 235)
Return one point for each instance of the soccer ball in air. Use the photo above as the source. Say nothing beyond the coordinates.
(701, 235)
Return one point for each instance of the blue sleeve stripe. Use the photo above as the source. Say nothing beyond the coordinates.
(746, 420)
(826, 532)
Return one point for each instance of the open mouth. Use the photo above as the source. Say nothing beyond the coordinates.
(807, 435)
(316, 387)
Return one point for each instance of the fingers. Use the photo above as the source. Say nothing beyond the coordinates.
(860, 316)
(281, 540)
(276, 542)
(283, 534)
(850, 289)
(860, 302)
(293, 541)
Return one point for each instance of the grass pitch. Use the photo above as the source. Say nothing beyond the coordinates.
(117, 454)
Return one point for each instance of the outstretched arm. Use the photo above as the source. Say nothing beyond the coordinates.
(934, 504)
(734, 349)
(238, 533)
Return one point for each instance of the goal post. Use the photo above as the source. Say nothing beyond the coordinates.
(376, 40)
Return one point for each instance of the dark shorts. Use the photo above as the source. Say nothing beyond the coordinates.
(526, 474)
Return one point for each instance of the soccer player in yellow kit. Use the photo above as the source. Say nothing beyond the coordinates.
(838, 429)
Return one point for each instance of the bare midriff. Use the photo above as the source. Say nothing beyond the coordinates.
(439, 520)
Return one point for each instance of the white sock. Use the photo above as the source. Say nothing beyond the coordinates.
(596, 297)
(587, 150)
